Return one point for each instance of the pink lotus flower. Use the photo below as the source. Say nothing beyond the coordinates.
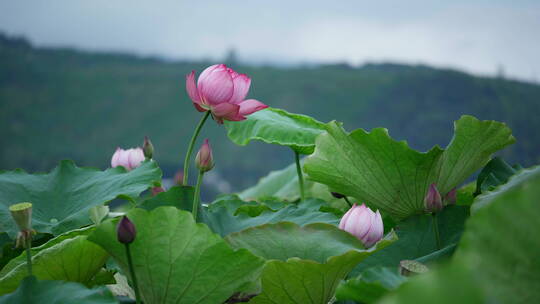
(222, 91)
(364, 224)
(129, 159)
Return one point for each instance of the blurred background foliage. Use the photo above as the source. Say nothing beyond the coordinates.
(63, 103)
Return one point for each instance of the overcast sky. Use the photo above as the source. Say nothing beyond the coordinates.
(475, 36)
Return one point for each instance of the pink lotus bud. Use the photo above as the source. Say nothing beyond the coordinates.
(129, 159)
(451, 197)
(364, 224)
(148, 148)
(179, 177)
(222, 91)
(433, 201)
(204, 159)
(125, 231)
(157, 190)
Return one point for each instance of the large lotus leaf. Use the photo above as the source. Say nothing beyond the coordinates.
(306, 281)
(68, 257)
(32, 291)
(393, 177)
(276, 126)
(223, 216)
(500, 244)
(370, 285)
(285, 240)
(177, 260)
(417, 241)
(61, 199)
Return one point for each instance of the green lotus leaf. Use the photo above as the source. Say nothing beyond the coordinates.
(61, 199)
(228, 215)
(276, 126)
(305, 262)
(32, 291)
(392, 177)
(370, 285)
(500, 244)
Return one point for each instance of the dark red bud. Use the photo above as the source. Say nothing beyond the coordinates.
(126, 231)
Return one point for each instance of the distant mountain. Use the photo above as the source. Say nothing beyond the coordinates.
(62, 103)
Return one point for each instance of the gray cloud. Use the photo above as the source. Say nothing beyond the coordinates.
(474, 36)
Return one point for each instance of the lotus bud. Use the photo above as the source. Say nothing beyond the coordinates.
(433, 201)
(179, 177)
(129, 159)
(204, 159)
(337, 195)
(126, 231)
(148, 148)
(157, 190)
(22, 215)
(410, 267)
(364, 224)
(451, 197)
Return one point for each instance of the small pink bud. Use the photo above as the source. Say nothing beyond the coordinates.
(364, 224)
(148, 148)
(179, 177)
(433, 201)
(451, 197)
(129, 159)
(157, 190)
(204, 159)
(126, 231)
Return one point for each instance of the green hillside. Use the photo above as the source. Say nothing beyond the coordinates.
(60, 103)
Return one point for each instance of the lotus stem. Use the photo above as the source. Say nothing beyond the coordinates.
(436, 230)
(29, 255)
(191, 144)
(133, 277)
(197, 196)
(300, 175)
(348, 201)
